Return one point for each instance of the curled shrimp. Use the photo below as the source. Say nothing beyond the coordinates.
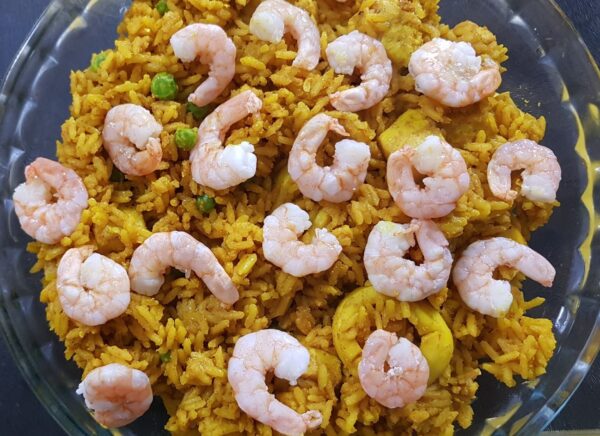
(131, 138)
(273, 18)
(50, 202)
(218, 167)
(92, 288)
(447, 178)
(541, 175)
(282, 247)
(211, 44)
(406, 379)
(116, 394)
(452, 73)
(254, 355)
(357, 50)
(393, 275)
(180, 250)
(473, 273)
(338, 182)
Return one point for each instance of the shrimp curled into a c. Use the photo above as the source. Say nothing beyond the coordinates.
(131, 138)
(357, 50)
(254, 355)
(282, 247)
(273, 18)
(447, 179)
(218, 167)
(406, 379)
(212, 46)
(116, 394)
(393, 275)
(92, 288)
(50, 202)
(473, 273)
(541, 171)
(180, 250)
(452, 73)
(338, 182)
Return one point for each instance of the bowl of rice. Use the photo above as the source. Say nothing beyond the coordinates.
(507, 370)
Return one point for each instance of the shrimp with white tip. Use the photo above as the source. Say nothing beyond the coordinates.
(116, 394)
(212, 46)
(406, 379)
(338, 182)
(221, 167)
(393, 275)
(447, 178)
(541, 171)
(282, 247)
(368, 55)
(452, 73)
(273, 18)
(50, 202)
(92, 288)
(180, 250)
(473, 273)
(254, 355)
(131, 138)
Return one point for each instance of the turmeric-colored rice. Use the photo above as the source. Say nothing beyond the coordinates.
(182, 338)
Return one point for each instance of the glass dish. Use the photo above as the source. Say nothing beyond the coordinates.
(550, 72)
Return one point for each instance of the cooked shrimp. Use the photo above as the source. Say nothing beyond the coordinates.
(273, 18)
(452, 73)
(212, 46)
(393, 275)
(254, 355)
(116, 394)
(92, 288)
(406, 379)
(282, 247)
(50, 202)
(180, 250)
(447, 179)
(131, 138)
(218, 167)
(541, 175)
(473, 273)
(357, 50)
(338, 182)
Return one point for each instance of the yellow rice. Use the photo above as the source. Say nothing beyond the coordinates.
(182, 338)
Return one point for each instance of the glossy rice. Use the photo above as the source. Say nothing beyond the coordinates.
(182, 337)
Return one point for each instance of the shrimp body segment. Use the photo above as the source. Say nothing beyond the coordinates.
(131, 138)
(452, 73)
(180, 250)
(92, 288)
(338, 182)
(116, 394)
(221, 167)
(50, 202)
(357, 50)
(254, 355)
(273, 18)
(446, 178)
(393, 275)
(406, 379)
(541, 171)
(212, 46)
(473, 273)
(282, 247)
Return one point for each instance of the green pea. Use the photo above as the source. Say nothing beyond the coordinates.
(198, 112)
(164, 86)
(186, 138)
(165, 357)
(205, 203)
(162, 7)
(116, 175)
(97, 59)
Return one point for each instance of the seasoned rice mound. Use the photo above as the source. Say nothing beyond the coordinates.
(182, 338)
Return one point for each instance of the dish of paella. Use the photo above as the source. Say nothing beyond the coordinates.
(295, 217)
